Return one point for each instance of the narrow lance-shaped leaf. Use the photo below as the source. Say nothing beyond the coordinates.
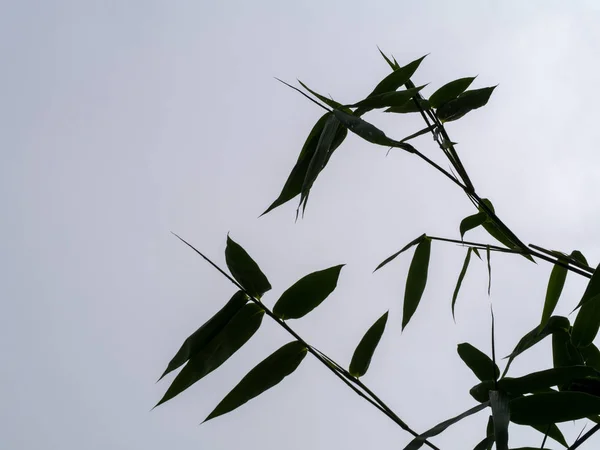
(564, 353)
(466, 102)
(480, 363)
(307, 293)
(450, 91)
(235, 334)
(385, 100)
(553, 407)
(592, 289)
(365, 349)
(197, 341)
(553, 432)
(393, 65)
(245, 270)
(461, 277)
(578, 256)
(319, 158)
(488, 441)
(293, 185)
(470, 222)
(425, 130)
(397, 78)
(406, 247)
(591, 355)
(587, 323)
(410, 107)
(365, 130)
(324, 99)
(268, 373)
(489, 266)
(416, 280)
(501, 417)
(555, 287)
(418, 442)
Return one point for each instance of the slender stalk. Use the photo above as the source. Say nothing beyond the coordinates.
(585, 437)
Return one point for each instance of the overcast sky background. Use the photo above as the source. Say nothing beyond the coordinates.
(124, 120)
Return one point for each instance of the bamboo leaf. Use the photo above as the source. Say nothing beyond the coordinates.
(198, 340)
(235, 334)
(245, 270)
(578, 256)
(488, 441)
(450, 91)
(418, 442)
(397, 78)
(393, 64)
(324, 99)
(553, 407)
(425, 130)
(470, 222)
(416, 280)
(293, 185)
(363, 129)
(591, 355)
(552, 431)
(461, 277)
(555, 287)
(501, 416)
(410, 107)
(385, 100)
(587, 323)
(364, 352)
(480, 363)
(406, 247)
(545, 379)
(489, 266)
(307, 293)
(465, 103)
(592, 289)
(564, 353)
(268, 373)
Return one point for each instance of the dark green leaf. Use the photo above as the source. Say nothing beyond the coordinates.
(450, 91)
(426, 130)
(591, 355)
(536, 335)
(397, 78)
(320, 157)
(477, 253)
(416, 280)
(555, 287)
(587, 323)
(578, 256)
(553, 432)
(501, 415)
(265, 375)
(466, 102)
(418, 442)
(410, 107)
(529, 448)
(461, 277)
(592, 289)
(406, 247)
(489, 266)
(235, 334)
(564, 353)
(293, 185)
(543, 380)
(307, 293)
(470, 222)
(245, 270)
(385, 100)
(364, 352)
(392, 64)
(365, 130)
(203, 335)
(485, 444)
(553, 407)
(480, 363)
(324, 99)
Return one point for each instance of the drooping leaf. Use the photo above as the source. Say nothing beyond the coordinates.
(365, 130)
(416, 280)
(198, 340)
(245, 270)
(406, 247)
(465, 103)
(410, 107)
(480, 363)
(536, 335)
(553, 432)
(501, 415)
(587, 323)
(364, 352)
(307, 293)
(489, 266)
(461, 277)
(324, 99)
(385, 100)
(320, 157)
(553, 407)
(450, 91)
(268, 373)
(235, 334)
(418, 442)
(293, 185)
(592, 289)
(555, 287)
(470, 222)
(397, 78)
(564, 353)
(591, 356)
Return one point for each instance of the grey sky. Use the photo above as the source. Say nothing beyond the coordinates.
(122, 121)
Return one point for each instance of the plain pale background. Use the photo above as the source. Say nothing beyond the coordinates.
(124, 120)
